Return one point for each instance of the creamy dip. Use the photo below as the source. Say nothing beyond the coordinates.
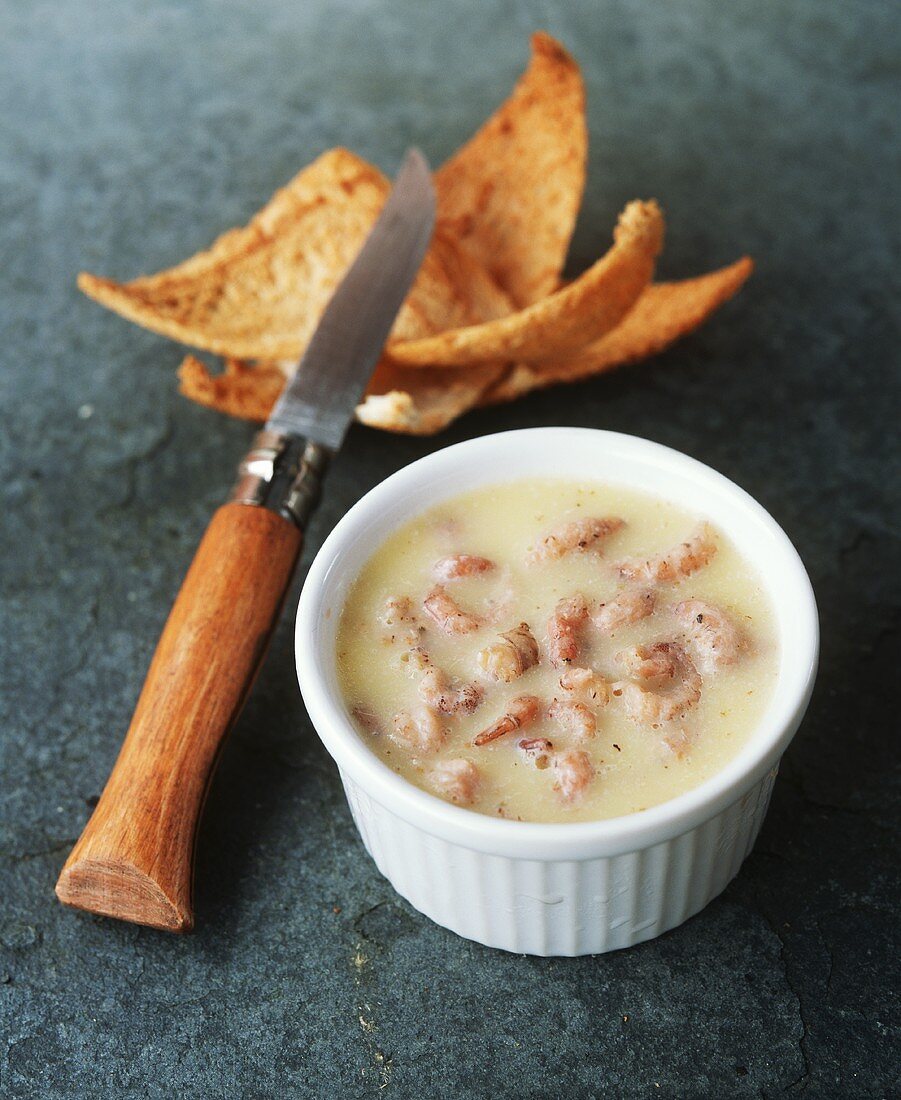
(547, 650)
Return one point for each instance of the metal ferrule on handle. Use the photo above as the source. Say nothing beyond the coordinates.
(282, 473)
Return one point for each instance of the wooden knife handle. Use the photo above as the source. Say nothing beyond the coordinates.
(135, 858)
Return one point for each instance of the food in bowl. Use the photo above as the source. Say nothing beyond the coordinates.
(554, 650)
(571, 887)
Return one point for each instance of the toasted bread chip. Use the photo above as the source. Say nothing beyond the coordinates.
(512, 192)
(561, 323)
(488, 294)
(400, 400)
(413, 402)
(245, 391)
(664, 313)
(416, 401)
(259, 292)
(419, 401)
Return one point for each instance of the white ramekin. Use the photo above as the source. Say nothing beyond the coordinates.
(561, 889)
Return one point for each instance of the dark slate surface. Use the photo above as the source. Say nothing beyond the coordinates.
(131, 134)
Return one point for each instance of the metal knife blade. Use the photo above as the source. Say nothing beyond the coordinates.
(319, 401)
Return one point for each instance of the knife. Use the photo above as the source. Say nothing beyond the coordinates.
(135, 858)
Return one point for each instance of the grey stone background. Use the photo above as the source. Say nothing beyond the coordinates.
(132, 133)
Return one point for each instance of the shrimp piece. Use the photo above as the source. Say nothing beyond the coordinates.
(418, 731)
(688, 691)
(435, 689)
(522, 711)
(574, 718)
(415, 660)
(514, 654)
(562, 629)
(645, 708)
(587, 685)
(456, 780)
(654, 662)
(397, 609)
(367, 720)
(401, 620)
(678, 743)
(627, 607)
(536, 750)
(715, 641)
(448, 615)
(681, 561)
(577, 536)
(574, 771)
(461, 565)
(677, 683)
